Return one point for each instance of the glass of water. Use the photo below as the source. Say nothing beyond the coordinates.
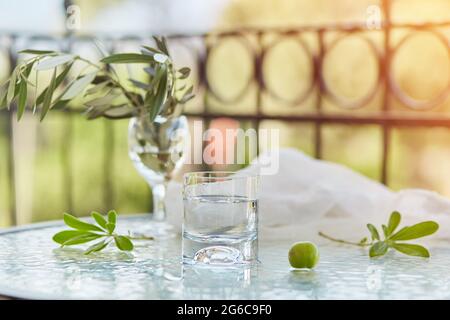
(220, 223)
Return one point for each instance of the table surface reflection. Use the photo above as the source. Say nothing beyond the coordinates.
(32, 266)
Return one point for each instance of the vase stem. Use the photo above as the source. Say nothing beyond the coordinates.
(159, 207)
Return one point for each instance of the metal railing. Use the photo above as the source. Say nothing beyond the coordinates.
(259, 43)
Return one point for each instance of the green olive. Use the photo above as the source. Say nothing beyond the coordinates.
(303, 254)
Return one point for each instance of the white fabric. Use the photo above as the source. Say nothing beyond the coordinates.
(308, 195)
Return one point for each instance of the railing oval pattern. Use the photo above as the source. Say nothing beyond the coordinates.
(402, 96)
(302, 95)
(354, 103)
(210, 49)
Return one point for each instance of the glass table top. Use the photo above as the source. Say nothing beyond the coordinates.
(33, 266)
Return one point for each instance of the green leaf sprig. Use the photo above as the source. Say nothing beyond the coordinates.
(83, 232)
(104, 92)
(394, 240)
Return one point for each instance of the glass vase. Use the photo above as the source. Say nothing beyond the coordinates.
(156, 150)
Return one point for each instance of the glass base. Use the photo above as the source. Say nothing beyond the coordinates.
(223, 254)
(218, 255)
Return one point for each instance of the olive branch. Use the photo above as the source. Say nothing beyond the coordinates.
(163, 92)
(83, 232)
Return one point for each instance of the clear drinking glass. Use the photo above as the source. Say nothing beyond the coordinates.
(220, 223)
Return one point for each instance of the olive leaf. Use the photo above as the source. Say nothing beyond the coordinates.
(378, 249)
(25, 72)
(83, 238)
(96, 247)
(391, 240)
(411, 249)
(65, 235)
(60, 104)
(48, 96)
(107, 99)
(52, 62)
(119, 112)
(151, 49)
(416, 231)
(98, 88)
(160, 97)
(112, 216)
(184, 72)
(101, 221)
(123, 243)
(127, 58)
(59, 79)
(94, 112)
(385, 230)
(78, 224)
(78, 86)
(110, 227)
(394, 221)
(186, 98)
(37, 52)
(373, 232)
(83, 232)
(11, 93)
(139, 84)
(161, 44)
(22, 99)
(188, 95)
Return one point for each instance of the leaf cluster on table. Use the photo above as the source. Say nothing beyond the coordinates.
(395, 240)
(83, 232)
(392, 239)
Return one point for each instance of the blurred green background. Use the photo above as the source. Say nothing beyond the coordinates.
(419, 156)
